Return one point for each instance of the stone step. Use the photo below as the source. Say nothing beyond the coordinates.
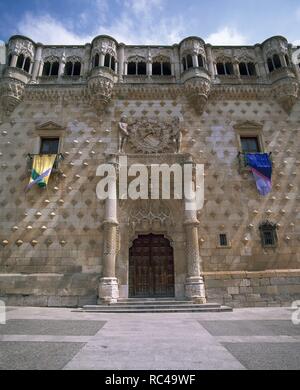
(152, 306)
(148, 304)
(155, 306)
(158, 309)
(154, 302)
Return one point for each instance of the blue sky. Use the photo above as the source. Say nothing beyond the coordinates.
(150, 21)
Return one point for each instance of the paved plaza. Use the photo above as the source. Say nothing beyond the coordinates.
(56, 339)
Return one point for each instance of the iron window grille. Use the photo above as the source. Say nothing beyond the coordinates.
(268, 233)
(223, 240)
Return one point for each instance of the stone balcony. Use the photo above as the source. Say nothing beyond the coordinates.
(149, 79)
(282, 73)
(102, 71)
(17, 74)
(285, 87)
(194, 73)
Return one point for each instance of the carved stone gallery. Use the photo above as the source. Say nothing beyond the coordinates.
(66, 110)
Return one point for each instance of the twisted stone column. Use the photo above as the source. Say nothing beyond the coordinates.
(194, 286)
(109, 289)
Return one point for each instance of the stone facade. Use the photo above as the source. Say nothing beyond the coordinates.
(63, 247)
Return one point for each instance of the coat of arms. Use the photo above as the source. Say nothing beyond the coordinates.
(154, 136)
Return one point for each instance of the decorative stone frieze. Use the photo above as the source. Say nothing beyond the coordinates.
(104, 45)
(18, 45)
(275, 45)
(149, 213)
(193, 45)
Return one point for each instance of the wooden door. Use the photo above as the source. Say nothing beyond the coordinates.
(151, 267)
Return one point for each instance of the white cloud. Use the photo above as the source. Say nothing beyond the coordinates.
(143, 6)
(141, 22)
(226, 36)
(138, 23)
(149, 31)
(48, 30)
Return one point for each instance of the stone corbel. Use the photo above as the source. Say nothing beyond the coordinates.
(197, 91)
(286, 93)
(100, 92)
(11, 95)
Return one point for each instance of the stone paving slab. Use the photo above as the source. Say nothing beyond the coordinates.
(258, 339)
(266, 356)
(250, 327)
(36, 356)
(51, 327)
(65, 339)
(48, 339)
(154, 344)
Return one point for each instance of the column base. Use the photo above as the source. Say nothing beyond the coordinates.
(195, 289)
(108, 291)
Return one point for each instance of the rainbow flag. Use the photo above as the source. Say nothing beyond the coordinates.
(41, 170)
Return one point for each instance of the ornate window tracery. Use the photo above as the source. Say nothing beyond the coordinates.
(187, 62)
(275, 62)
(137, 66)
(161, 66)
(96, 61)
(51, 66)
(247, 69)
(73, 67)
(23, 62)
(225, 68)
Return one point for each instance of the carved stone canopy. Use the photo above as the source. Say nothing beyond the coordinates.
(153, 135)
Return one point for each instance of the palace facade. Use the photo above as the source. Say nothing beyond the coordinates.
(190, 103)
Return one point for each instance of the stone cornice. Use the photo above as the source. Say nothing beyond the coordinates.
(198, 92)
(145, 91)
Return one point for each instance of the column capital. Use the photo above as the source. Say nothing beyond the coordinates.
(188, 159)
(110, 222)
(191, 222)
(112, 159)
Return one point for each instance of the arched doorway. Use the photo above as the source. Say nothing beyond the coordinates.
(151, 267)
